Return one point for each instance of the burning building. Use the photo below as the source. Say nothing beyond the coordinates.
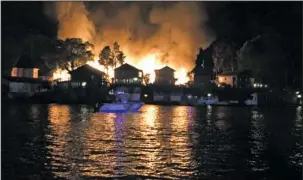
(151, 35)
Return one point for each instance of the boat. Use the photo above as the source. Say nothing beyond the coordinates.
(121, 105)
(253, 101)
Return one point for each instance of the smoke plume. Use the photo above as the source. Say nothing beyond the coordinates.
(173, 31)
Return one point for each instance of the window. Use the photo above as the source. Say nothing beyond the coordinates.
(14, 72)
(140, 74)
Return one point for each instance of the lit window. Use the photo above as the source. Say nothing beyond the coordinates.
(140, 74)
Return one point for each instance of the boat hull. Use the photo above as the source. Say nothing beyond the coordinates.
(121, 107)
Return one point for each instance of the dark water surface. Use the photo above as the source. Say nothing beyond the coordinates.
(173, 142)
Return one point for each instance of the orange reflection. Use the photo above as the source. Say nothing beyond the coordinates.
(150, 139)
(100, 146)
(59, 116)
(180, 143)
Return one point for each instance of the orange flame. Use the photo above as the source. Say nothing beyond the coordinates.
(148, 65)
(61, 75)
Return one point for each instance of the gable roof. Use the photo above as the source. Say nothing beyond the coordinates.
(166, 68)
(127, 67)
(25, 62)
(87, 67)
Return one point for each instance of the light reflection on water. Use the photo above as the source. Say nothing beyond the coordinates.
(160, 141)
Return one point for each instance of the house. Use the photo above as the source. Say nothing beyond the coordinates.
(241, 79)
(84, 76)
(127, 74)
(24, 78)
(165, 76)
(25, 69)
(203, 73)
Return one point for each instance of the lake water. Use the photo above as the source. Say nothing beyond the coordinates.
(173, 142)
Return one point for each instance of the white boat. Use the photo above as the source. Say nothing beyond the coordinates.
(122, 105)
(253, 101)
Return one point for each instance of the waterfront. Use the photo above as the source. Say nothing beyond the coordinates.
(73, 142)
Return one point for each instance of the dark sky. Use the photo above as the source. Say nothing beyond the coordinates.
(238, 21)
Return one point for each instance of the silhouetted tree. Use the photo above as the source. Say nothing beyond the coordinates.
(264, 57)
(111, 57)
(224, 57)
(71, 53)
(106, 58)
(146, 79)
(118, 56)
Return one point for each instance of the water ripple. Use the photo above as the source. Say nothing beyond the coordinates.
(72, 142)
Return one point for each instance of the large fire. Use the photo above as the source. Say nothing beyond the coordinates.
(61, 75)
(148, 65)
(148, 34)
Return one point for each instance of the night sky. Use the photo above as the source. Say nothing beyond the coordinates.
(238, 21)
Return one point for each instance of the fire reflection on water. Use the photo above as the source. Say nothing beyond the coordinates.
(59, 117)
(160, 141)
(107, 145)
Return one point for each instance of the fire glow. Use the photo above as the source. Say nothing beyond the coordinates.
(150, 35)
(148, 64)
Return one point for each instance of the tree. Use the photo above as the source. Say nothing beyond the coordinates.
(224, 57)
(106, 58)
(118, 56)
(111, 57)
(70, 53)
(146, 79)
(264, 57)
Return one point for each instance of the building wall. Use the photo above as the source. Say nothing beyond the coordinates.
(202, 80)
(128, 76)
(165, 77)
(176, 98)
(25, 72)
(229, 80)
(21, 87)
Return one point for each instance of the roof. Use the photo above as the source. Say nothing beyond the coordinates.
(25, 62)
(165, 68)
(127, 67)
(87, 67)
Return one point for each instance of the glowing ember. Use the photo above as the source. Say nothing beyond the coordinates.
(95, 64)
(61, 75)
(181, 77)
(148, 65)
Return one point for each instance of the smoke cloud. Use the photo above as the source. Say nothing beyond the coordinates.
(171, 30)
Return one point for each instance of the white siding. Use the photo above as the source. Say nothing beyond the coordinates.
(175, 98)
(158, 97)
(20, 87)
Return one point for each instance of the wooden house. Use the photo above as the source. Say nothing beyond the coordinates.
(127, 74)
(165, 76)
(25, 78)
(84, 76)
